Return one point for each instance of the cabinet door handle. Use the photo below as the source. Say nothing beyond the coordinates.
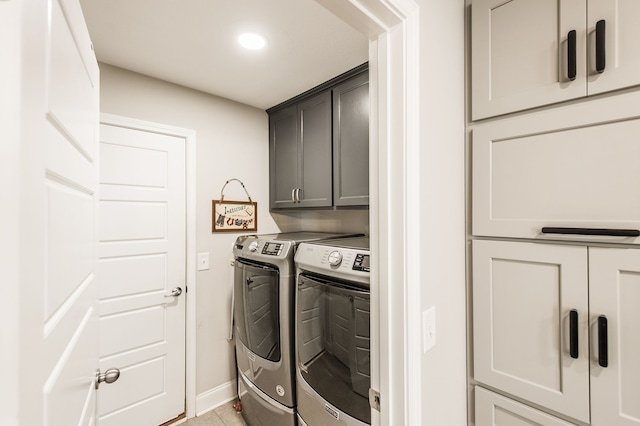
(571, 55)
(573, 334)
(603, 344)
(600, 46)
(592, 231)
(298, 194)
(293, 195)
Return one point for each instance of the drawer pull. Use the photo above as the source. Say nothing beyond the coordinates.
(592, 231)
(573, 334)
(571, 55)
(600, 46)
(603, 350)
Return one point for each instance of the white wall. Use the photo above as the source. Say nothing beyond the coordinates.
(443, 208)
(232, 141)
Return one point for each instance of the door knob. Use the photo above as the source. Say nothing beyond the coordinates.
(174, 293)
(109, 376)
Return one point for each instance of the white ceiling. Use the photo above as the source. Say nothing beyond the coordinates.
(194, 43)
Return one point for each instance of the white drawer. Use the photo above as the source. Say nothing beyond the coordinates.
(496, 410)
(553, 170)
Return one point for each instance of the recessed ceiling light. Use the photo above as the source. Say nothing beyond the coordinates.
(252, 41)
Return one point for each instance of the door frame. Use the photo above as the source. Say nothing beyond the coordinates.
(392, 27)
(191, 268)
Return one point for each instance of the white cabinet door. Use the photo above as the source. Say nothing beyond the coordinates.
(519, 54)
(523, 294)
(496, 410)
(614, 288)
(567, 168)
(621, 53)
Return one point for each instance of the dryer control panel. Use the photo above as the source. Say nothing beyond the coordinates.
(348, 263)
(362, 263)
(272, 249)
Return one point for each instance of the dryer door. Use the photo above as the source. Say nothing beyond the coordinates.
(333, 342)
(256, 308)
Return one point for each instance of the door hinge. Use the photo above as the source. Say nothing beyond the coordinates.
(374, 399)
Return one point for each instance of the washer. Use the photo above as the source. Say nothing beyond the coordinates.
(333, 348)
(264, 293)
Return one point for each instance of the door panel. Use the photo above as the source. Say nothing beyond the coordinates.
(519, 54)
(141, 259)
(314, 118)
(622, 59)
(283, 157)
(133, 275)
(522, 296)
(614, 293)
(351, 142)
(71, 98)
(527, 176)
(133, 220)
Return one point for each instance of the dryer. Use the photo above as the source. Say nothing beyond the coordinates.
(332, 332)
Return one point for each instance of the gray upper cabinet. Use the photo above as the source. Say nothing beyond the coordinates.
(319, 146)
(351, 142)
(300, 154)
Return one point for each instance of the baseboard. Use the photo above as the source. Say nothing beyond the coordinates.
(215, 397)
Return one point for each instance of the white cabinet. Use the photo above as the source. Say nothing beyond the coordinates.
(572, 167)
(538, 313)
(528, 53)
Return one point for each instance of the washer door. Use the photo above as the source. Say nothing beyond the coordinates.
(333, 342)
(256, 308)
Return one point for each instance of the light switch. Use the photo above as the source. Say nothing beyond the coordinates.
(203, 261)
(429, 329)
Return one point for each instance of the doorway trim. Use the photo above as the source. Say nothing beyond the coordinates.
(190, 203)
(392, 27)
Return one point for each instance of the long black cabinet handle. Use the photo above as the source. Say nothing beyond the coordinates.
(573, 334)
(600, 46)
(592, 231)
(603, 344)
(571, 55)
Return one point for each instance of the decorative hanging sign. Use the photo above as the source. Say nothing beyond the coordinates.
(234, 216)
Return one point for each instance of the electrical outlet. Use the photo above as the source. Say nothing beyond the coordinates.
(429, 329)
(203, 261)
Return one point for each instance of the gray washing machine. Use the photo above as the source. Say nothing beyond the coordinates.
(264, 294)
(332, 335)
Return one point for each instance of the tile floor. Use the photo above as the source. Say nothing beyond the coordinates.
(224, 415)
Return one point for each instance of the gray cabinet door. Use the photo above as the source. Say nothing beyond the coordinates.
(314, 118)
(351, 142)
(283, 157)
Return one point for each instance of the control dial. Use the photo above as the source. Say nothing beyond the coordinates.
(335, 258)
(253, 246)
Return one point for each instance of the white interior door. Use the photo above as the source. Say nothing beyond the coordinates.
(59, 124)
(141, 260)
